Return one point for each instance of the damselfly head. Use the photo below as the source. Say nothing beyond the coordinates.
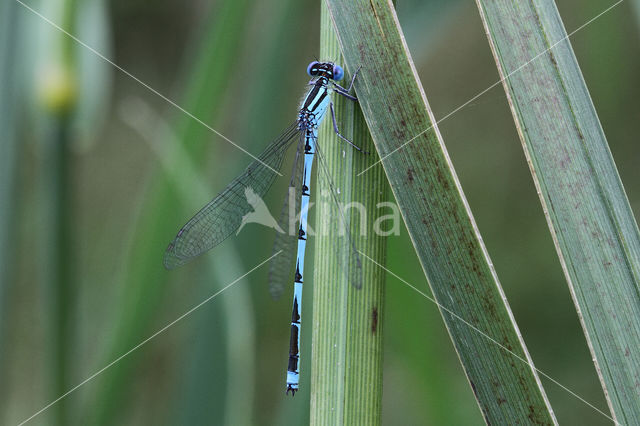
(325, 69)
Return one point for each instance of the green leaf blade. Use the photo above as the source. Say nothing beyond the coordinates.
(593, 227)
(347, 322)
(437, 216)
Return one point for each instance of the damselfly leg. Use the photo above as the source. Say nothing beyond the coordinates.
(335, 128)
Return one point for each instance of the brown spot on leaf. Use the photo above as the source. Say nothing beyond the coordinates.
(473, 388)
(410, 174)
(442, 179)
(374, 320)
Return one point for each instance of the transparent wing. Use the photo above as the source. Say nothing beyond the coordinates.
(223, 215)
(281, 267)
(348, 255)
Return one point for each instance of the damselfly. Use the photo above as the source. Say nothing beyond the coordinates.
(223, 215)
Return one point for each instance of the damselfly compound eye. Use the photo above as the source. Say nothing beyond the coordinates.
(338, 72)
(312, 69)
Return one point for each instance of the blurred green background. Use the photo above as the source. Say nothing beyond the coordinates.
(97, 173)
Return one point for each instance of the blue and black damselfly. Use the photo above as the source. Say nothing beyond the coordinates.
(222, 216)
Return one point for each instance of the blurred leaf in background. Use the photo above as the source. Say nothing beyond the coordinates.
(11, 104)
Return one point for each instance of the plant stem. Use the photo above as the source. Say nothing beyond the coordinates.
(10, 103)
(346, 380)
(58, 278)
(57, 102)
